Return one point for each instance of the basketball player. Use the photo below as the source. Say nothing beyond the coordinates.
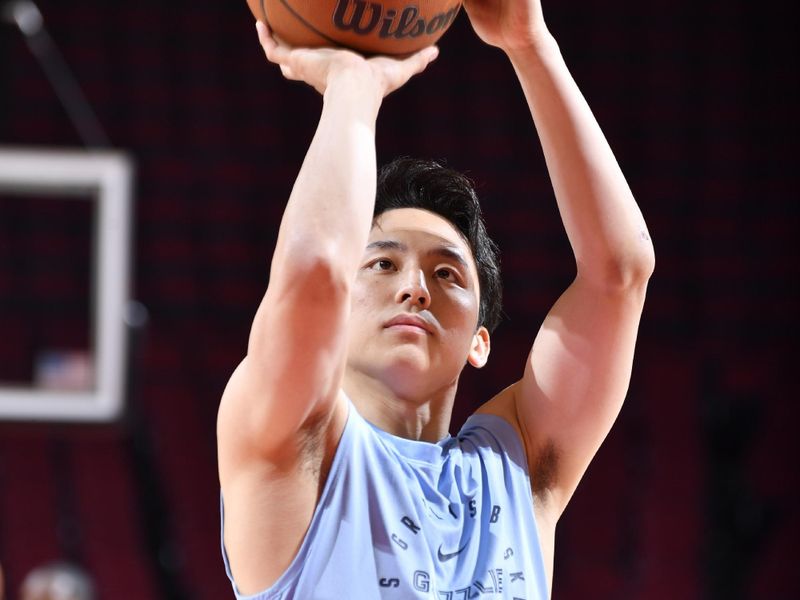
(339, 479)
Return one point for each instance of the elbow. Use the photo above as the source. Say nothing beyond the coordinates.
(307, 297)
(311, 277)
(302, 258)
(636, 271)
(304, 253)
(629, 272)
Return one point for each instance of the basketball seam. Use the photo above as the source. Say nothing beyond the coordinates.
(319, 33)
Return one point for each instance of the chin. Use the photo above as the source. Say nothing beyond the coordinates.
(407, 369)
(402, 370)
(408, 364)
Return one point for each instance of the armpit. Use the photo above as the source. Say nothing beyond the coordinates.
(544, 468)
(311, 441)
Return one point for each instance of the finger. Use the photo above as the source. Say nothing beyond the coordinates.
(416, 63)
(423, 58)
(398, 72)
(275, 52)
(288, 73)
(264, 36)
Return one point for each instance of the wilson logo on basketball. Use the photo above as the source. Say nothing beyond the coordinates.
(394, 27)
(364, 18)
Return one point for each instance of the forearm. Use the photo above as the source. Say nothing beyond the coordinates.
(603, 222)
(326, 222)
(298, 342)
(329, 212)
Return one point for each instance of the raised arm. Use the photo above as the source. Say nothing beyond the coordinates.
(279, 405)
(578, 371)
(296, 349)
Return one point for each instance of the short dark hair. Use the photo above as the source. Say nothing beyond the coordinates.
(427, 185)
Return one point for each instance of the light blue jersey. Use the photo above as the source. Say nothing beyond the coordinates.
(405, 519)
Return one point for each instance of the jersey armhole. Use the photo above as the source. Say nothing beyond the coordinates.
(504, 434)
(295, 567)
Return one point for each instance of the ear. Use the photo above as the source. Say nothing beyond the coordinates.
(479, 351)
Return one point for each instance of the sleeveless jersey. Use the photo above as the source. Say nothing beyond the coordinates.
(404, 519)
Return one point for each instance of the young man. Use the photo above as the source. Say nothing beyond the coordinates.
(338, 476)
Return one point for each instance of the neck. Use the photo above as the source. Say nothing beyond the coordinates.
(424, 415)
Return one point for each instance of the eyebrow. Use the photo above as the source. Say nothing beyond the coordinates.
(443, 250)
(387, 245)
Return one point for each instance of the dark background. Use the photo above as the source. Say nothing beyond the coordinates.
(695, 492)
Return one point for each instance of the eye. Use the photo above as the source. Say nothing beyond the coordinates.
(382, 264)
(446, 274)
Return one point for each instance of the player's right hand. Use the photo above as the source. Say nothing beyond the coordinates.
(319, 66)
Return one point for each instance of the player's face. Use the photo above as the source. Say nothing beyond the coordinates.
(415, 306)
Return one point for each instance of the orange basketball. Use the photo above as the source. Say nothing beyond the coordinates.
(371, 27)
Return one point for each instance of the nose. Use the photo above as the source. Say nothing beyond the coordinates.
(414, 289)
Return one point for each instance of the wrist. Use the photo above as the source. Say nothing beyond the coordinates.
(355, 86)
(537, 49)
(537, 43)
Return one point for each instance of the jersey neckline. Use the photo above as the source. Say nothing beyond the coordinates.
(417, 450)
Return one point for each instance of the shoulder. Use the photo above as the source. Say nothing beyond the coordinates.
(503, 406)
(493, 430)
(290, 484)
(541, 461)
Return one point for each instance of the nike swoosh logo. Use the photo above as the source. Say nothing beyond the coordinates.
(444, 557)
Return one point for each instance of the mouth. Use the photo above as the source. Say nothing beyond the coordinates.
(410, 323)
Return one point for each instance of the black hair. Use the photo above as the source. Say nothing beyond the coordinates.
(427, 185)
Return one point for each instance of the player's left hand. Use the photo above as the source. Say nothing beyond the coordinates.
(508, 24)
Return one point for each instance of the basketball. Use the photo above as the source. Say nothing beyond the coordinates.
(393, 27)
